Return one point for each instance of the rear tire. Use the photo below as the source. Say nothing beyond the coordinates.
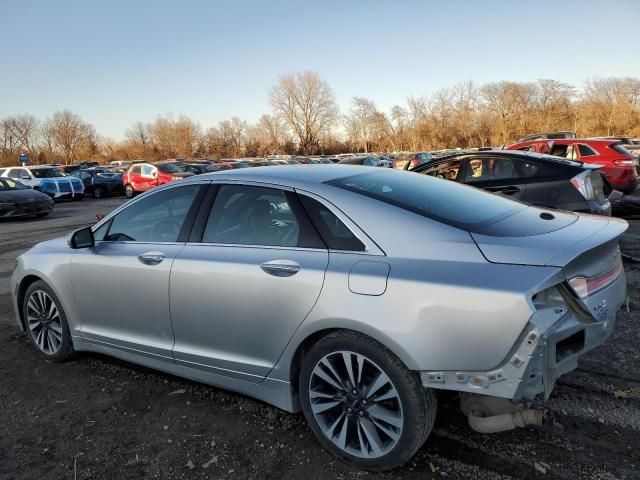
(128, 191)
(377, 415)
(46, 323)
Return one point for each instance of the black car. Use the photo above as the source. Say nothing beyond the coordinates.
(99, 182)
(200, 168)
(542, 180)
(626, 205)
(18, 200)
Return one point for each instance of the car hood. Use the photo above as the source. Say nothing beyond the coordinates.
(540, 237)
(26, 195)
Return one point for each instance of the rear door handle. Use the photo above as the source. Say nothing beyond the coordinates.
(151, 258)
(280, 268)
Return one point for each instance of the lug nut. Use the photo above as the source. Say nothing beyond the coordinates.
(354, 391)
(361, 413)
(349, 410)
(364, 402)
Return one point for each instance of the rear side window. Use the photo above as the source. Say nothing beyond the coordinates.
(586, 150)
(333, 231)
(446, 202)
(487, 169)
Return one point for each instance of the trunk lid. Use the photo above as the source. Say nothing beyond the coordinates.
(581, 244)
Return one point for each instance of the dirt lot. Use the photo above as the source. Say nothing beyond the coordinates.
(99, 418)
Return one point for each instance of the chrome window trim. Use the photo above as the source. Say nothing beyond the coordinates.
(263, 247)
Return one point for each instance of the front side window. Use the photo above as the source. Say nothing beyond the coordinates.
(248, 215)
(158, 217)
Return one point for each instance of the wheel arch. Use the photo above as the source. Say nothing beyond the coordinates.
(297, 358)
(24, 284)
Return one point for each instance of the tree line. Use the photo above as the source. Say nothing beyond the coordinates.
(305, 119)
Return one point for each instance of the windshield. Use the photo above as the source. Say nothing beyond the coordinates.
(169, 168)
(442, 200)
(9, 184)
(46, 173)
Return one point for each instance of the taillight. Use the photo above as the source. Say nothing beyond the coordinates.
(625, 163)
(585, 286)
(582, 182)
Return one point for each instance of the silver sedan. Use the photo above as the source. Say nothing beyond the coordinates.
(350, 293)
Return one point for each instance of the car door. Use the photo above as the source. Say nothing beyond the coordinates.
(148, 177)
(23, 175)
(494, 173)
(121, 284)
(250, 274)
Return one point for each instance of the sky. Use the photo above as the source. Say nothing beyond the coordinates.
(116, 62)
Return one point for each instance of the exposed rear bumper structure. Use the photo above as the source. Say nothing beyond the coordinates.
(549, 346)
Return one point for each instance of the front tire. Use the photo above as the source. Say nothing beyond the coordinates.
(98, 192)
(128, 191)
(46, 322)
(362, 402)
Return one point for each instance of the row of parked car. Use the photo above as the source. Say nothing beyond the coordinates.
(551, 170)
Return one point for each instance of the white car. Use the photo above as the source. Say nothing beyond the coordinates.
(47, 179)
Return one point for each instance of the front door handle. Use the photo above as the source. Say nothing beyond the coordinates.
(280, 268)
(151, 258)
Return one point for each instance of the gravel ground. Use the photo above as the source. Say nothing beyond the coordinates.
(99, 418)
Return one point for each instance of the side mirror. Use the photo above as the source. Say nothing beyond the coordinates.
(82, 238)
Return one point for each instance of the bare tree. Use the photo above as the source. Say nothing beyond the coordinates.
(70, 134)
(307, 105)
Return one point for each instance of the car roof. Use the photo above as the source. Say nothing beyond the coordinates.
(562, 141)
(515, 154)
(291, 174)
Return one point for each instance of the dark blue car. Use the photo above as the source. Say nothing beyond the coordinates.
(99, 182)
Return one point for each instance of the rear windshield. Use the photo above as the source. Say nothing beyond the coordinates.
(448, 202)
(169, 168)
(618, 147)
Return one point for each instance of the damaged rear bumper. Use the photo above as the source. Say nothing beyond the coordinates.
(549, 346)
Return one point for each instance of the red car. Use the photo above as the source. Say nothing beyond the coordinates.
(619, 166)
(143, 176)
